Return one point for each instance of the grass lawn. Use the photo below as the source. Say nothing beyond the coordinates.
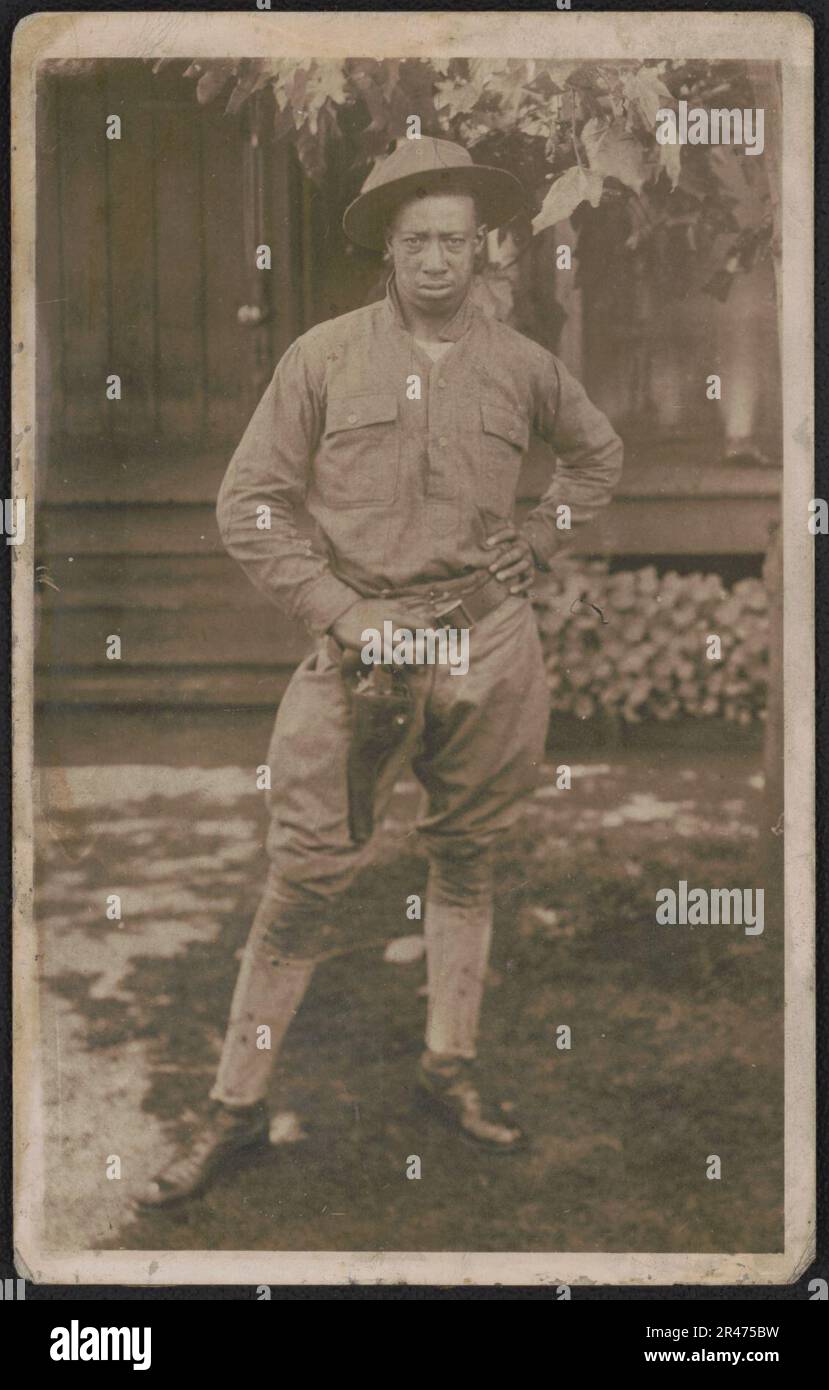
(676, 1048)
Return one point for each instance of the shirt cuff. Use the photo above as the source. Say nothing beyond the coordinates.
(325, 601)
(544, 541)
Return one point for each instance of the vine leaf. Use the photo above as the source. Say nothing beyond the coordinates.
(647, 93)
(614, 153)
(669, 160)
(576, 186)
(213, 80)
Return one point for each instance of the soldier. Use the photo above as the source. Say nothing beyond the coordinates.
(402, 426)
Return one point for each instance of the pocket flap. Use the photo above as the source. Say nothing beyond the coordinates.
(352, 412)
(507, 424)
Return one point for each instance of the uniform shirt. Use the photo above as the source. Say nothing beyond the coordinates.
(432, 349)
(405, 464)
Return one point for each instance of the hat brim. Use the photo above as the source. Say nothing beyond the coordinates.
(498, 194)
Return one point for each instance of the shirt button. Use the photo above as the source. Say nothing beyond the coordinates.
(352, 419)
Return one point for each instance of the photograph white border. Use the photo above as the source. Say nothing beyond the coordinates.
(787, 38)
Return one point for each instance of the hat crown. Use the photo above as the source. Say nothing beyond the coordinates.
(420, 167)
(418, 157)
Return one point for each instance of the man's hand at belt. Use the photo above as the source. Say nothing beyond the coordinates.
(372, 613)
(516, 563)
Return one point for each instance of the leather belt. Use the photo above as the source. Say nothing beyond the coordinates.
(455, 607)
(464, 610)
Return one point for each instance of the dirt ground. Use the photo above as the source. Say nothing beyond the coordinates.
(676, 1031)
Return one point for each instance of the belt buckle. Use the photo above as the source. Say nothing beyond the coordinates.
(445, 613)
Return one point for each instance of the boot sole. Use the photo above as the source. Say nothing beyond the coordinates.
(228, 1160)
(433, 1105)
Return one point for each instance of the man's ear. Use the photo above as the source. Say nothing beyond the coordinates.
(479, 254)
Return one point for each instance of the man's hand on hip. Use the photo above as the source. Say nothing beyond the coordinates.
(372, 613)
(515, 563)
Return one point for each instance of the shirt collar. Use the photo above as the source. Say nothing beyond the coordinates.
(451, 331)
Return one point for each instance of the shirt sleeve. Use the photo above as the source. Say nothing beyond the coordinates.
(266, 481)
(588, 464)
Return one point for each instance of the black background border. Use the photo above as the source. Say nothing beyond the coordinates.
(799, 1335)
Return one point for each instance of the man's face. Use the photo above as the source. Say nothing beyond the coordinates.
(433, 242)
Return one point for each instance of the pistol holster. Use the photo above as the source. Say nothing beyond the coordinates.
(382, 710)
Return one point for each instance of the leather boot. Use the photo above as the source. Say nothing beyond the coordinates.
(227, 1131)
(451, 1088)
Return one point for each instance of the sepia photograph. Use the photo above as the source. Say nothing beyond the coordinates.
(413, 630)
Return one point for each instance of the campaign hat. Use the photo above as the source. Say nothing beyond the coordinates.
(419, 168)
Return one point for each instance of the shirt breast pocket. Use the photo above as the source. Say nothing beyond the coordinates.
(358, 459)
(505, 440)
